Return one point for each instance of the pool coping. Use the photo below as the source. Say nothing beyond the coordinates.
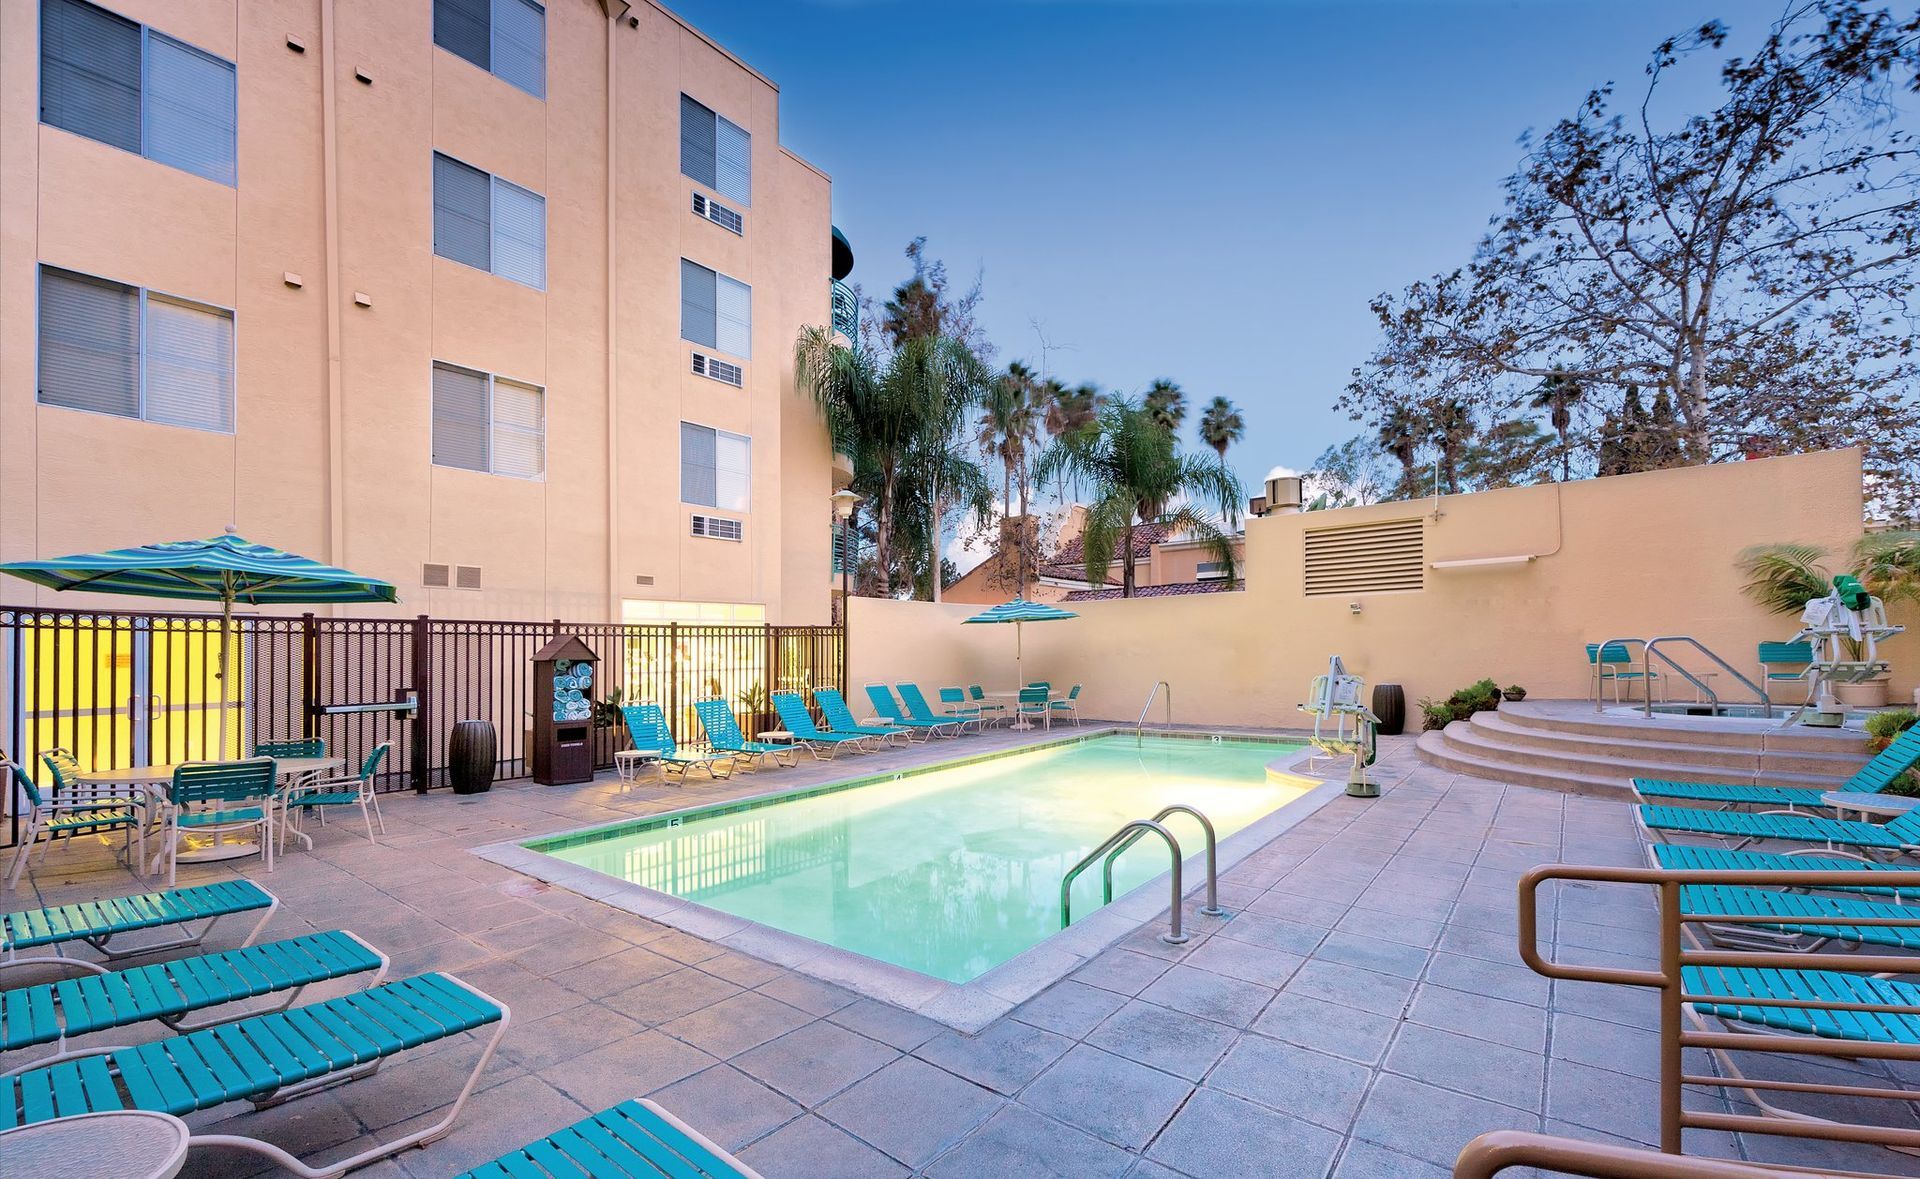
(968, 1006)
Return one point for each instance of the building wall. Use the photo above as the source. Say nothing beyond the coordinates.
(1634, 555)
(571, 545)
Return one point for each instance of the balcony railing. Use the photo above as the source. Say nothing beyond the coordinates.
(846, 311)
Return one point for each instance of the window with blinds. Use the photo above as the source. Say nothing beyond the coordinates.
(486, 423)
(715, 468)
(715, 152)
(507, 38)
(489, 223)
(715, 311)
(106, 347)
(1366, 558)
(137, 89)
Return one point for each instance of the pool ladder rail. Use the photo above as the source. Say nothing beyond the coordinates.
(1130, 834)
(1141, 724)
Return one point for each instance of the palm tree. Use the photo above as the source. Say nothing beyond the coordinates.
(1129, 465)
(1070, 411)
(1557, 394)
(1014, 405)
(1166, 405)
(1221, 425)
(1452, 425)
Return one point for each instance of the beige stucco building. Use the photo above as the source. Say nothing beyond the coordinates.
(455, 294)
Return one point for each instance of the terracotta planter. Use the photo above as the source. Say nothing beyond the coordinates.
(1871, 694)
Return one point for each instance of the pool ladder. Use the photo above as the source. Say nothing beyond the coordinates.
(1141, 724)
(1126, 837)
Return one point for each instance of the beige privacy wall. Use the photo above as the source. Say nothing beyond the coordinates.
(1633, 555)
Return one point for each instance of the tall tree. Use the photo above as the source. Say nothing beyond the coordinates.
(1399, 435)
(1132, 470)
(1757, 261)
(1071, 411)
(1221, 425)
(1009, 427)
(1166, 404)
(1557, 394)
(926, 305)
(1451, 423)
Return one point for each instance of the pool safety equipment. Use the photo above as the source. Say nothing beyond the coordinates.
(1342, 726)
(1844, 630)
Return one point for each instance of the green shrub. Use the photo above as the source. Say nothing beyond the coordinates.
(1882, 728)
(1438, 714)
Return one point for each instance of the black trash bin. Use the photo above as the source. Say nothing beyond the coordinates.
(470, 756)
(1390, 705)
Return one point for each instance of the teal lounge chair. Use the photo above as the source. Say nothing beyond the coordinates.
(1695, 856)
(217, 797)
(918, 711)
(833, 706)
(647, 726)
(724, 736)
(888, 709)
(1879, 773)
(1800, 915)
(82, 808)
(633, 1140)
(953, 701)
(99, 923)
(1898, 836)
(269, 1059)
(990, 709)
(817, 741)
(169, 992)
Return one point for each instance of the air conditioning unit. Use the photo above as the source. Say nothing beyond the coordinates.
(719, 214)
(716, 369)
(718, 527)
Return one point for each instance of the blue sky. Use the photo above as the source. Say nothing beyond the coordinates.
(1209, 191)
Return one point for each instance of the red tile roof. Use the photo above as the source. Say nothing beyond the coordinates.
(1069, 562)
(1177, 589)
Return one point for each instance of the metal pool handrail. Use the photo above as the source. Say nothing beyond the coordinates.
(1173, 936)
(1493, 1152)
(1212, 908)
(1652, 648)
(1148, 707)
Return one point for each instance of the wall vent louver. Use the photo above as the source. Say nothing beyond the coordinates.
(1387, 556)
(716, 369)
(717, 527)
(466, 577)
(719, 214)
(434, 576)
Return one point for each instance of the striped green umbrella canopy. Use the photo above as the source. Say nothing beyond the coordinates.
(1020, 612)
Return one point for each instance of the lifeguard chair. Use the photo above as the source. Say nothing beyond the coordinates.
(1343, 728)
(1843, 631)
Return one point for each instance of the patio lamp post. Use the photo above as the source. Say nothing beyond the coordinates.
(844, 501)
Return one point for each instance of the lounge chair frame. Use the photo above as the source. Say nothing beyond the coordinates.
(635, 1138)
(194, 910)
(839, 717)
(824, 744)
(724, 736)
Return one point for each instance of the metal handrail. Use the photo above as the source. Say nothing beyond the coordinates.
(1173, 936)
(1653, 647)
(1598, 660)
(1495, 1151)
(1141, 724)
(1212, 908)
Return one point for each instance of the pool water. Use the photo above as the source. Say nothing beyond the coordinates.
(952, 871)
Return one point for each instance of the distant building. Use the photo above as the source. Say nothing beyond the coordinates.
(1164, 565)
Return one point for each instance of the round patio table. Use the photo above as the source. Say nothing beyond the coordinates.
(154, 779)
(1021, 722)
(120, 1144)
(1886, 806)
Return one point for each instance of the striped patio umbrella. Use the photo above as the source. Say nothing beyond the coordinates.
(224, 569)
(1020, 612)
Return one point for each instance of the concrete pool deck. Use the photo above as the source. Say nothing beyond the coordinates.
(1361, 1013)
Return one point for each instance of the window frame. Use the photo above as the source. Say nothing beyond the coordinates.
(681, 466)
(231, 429)
(745, 201)
(719, 277)
(147, 33)
(492, 53)
(486, 408)
(494, 184)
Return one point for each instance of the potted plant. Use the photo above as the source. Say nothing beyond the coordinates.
(1514, 693)
(1785, 577)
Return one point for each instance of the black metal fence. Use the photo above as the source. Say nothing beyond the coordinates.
(123, 688)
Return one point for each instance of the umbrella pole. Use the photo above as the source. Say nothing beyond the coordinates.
(226, 658)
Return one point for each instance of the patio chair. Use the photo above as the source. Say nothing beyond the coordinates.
(269, 1059)
(647, 726)
(1882, 771)
(1897, 836)
(724, 736)
(1036, 702)
(795, 718)
(66, 771)
(99, 922)
(1784, 663)
(953, 701)
(1699, 857)
(918, 711)
(1615, 665)
(218, 797)
(890, 712)
(296, 747)
(632, 1140)
(1070, 706)
(992, 710)
(170, 992)
(839, 716)
(1046, 685)
(83, 808)
(318, 795)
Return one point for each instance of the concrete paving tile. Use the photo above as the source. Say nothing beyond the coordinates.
(684, 947)
(1244, 961)
(742, 969)
(1428, 1123)
(1518, 984)
(1300, 1082)
(1289, 904)
(809, 1147)
(1121, 971)
(1364, 1160)
(1408, 931)
(605, 975)
(559, 1037)
(521, 935)
(1171, 1041)
(1017, 1141)
(670, 996)
(1336, 982)
(808, 994)
(1516, 1025)
(494, 1122)
(1003, 1057)
(888, 1024)
(1634, 1006)
(813, 1062)
(736, 1023)
(1223, 1137)
(635, 1065)
(1274, 933)
(1611, 1046)
(911, 1110)
(529, 996)
(1478, 1068)
(1211, 996)
(1121, 1101)
(1373, 953)
(1069, 1008)
(1329, 1027)
(727, 1105)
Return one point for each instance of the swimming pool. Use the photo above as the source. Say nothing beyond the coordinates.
(947, 871)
